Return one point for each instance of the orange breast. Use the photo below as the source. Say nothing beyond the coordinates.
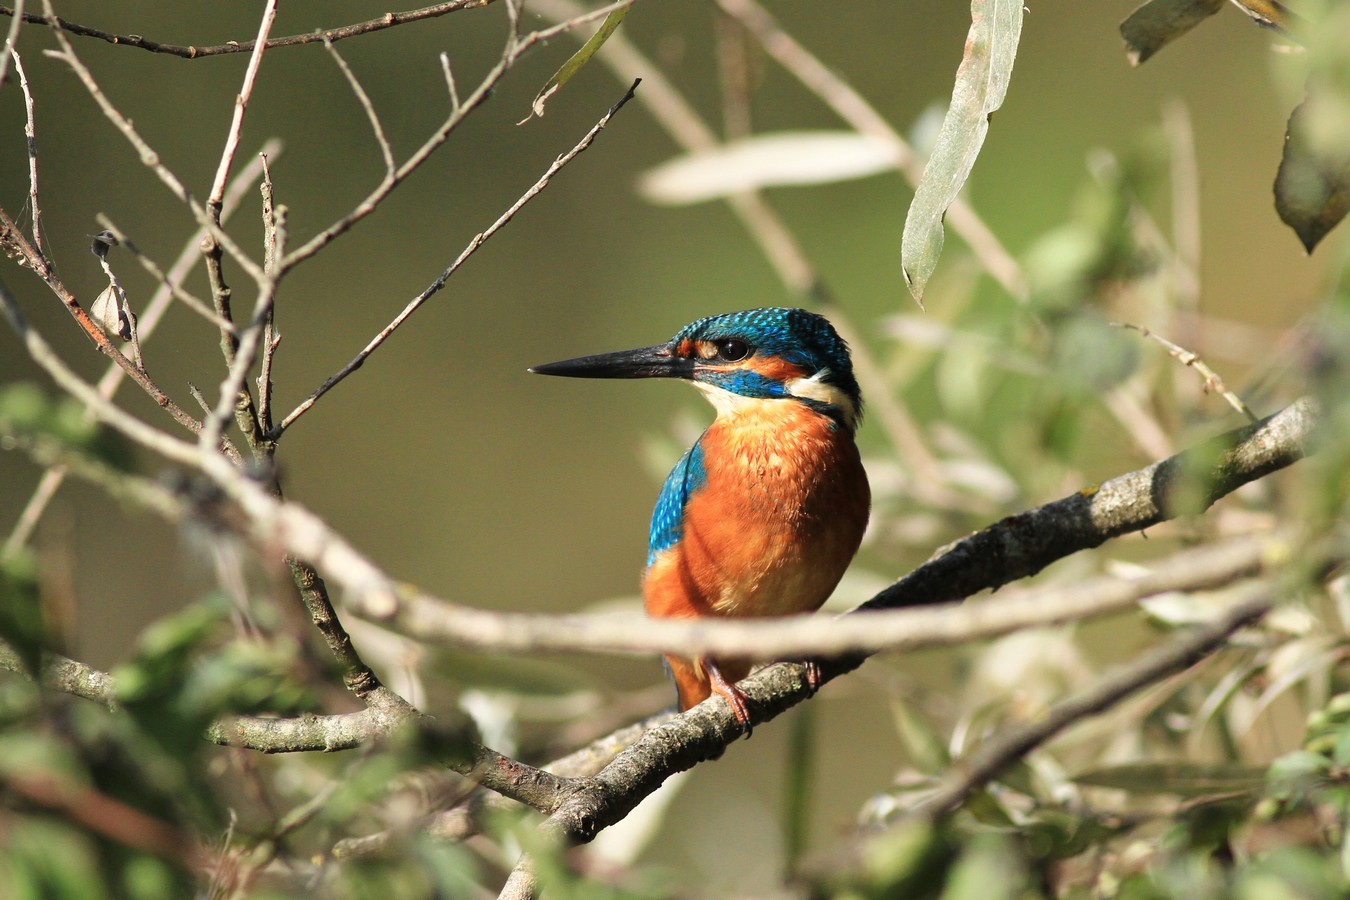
(775, 524)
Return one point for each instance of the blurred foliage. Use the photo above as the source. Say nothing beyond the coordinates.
(1312, 187)
(1199, 786)
(27, 411)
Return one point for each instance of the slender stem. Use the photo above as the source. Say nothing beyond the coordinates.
(515, 48)
(217, 194)
(435, 286)
(1187, 649)
(187, 51)
(147, 154)
(30, 133)
(112, 378)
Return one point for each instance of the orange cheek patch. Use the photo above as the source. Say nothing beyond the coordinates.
(776, 368)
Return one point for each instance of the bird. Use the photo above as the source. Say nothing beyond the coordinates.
(762, 515)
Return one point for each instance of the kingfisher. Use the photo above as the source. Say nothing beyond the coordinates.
(762, 515)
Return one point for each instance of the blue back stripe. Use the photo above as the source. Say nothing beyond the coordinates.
(668, 517)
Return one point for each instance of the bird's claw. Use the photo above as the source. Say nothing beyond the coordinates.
(734, 696)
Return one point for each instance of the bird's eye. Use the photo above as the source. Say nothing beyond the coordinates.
(732, 350)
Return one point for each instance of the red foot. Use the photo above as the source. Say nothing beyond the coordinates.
(734, 696)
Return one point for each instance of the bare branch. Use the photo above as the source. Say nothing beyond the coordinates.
(388, 20)
(147, 154)
(1182, 652)
(114, 819)
(307, 734)
(385, 712)
(11, 40)
(358, 677)
(1212, 381)
(1009, 550)
(450, 84)
(149, 320)
(15, 242)
(1014, 548)
(473, 245)
(234, 393)
(217, 195)
(274, 244)
(516, 46)
(167, 282)
(386, 152)
(700, 734)
(30, 132)
(42, 353)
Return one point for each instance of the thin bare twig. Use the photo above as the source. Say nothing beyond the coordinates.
(1124, 402)
(234, 393)
(875, 627)
(147, 154)
(239, 351)
(30, 133)
(274, 244)
(1182, 652)
(515, 47)
(1185, 205)
(388, 20)
(42, 353)
(472, 247)
(149, 320)
(386, 152)
(13, 238)
(450, 84)
(1211, 379)
(167, 282)
(217, 194)
(11, 41)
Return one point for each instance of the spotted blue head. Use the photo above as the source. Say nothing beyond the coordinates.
(772, 353)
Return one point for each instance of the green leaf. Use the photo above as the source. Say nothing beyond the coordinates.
(1159, 22)
(905, 861)
(48, 859)
(577, 60)
(988, 869)
(1296, 774)
(1312, 186)
(923, 745)
(1185, 779)
(981, 84)
(766, 160)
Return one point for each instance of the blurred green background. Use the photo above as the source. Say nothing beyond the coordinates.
(442, 458)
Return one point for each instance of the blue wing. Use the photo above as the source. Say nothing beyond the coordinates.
(668, 517)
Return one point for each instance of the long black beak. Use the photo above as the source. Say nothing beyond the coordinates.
(645, 362)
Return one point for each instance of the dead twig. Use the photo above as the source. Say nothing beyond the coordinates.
(1212, 381)
(431, 289)
(388, 20)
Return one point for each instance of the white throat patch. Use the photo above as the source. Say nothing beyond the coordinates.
(724, 401)
(818, 389)
(814, 388)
